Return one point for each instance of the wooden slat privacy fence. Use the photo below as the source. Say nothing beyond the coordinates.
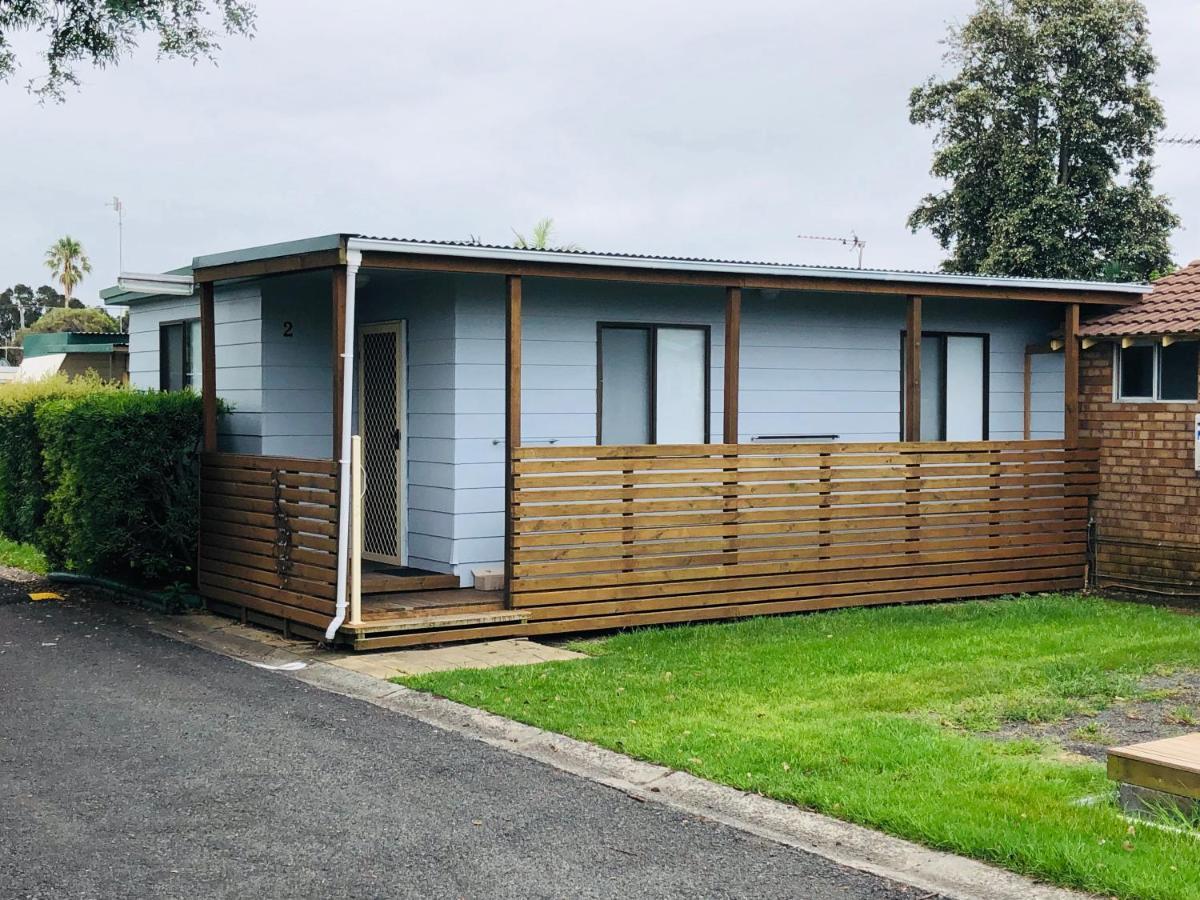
(268, 535)
(610, 536)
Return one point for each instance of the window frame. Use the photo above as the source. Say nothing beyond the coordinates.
(1156, 346)
(986, 386)
(191, 367)
(652, 394)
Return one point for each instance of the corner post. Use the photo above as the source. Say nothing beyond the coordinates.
(1071, 376)
(208, 366)
(1027, 404)
(733, 340)
(512, 417)
(912, 371)
(338, 299)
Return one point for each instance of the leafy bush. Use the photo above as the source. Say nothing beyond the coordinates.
(22, 485)
(121, 472)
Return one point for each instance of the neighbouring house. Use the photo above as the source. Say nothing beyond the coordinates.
(1138, 397)
(600, 440)
(73, 353)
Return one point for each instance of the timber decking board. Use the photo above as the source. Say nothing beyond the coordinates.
(385, 583)
(381, 606)
(1170, 764)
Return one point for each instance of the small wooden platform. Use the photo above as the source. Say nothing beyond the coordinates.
(428, 616)
(1170, 765)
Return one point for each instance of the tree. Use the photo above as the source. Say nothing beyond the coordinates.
(48, 298)
(1046, 132)
(540, 238)
(24, 301)
(20, 307)
(102, 32)
(69, 263)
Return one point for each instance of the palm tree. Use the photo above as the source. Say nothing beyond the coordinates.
(67, 261)
(540, 237)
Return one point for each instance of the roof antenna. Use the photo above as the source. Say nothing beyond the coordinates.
(1181, 140)
(119, 208)
(854, 242)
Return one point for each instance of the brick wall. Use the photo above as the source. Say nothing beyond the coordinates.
(1147, 511)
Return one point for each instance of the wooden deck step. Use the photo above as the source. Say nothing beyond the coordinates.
(1170, 765)
(438, 622)
(385, 583)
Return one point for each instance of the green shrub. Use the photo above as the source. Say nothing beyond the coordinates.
(22, 485)
(122, 483)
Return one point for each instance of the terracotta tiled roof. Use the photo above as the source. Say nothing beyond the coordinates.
(1172, 307)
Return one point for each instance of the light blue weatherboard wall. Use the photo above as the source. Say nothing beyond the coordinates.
(297, 366)
(426, 304)
(279, 388)
(238, 317)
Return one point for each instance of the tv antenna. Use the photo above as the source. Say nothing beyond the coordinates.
(854, 242)
(119, 208)
(1181, 140)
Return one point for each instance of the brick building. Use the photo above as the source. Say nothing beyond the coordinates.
(1138, 394)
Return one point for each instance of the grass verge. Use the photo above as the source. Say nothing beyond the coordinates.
(21, 556)
(880, 716)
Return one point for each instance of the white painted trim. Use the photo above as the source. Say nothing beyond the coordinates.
(138, 283)
(400, 328)
(514, 254)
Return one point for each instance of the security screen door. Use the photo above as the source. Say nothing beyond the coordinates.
(381, 424)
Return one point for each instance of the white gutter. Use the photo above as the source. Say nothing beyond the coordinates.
(138, 283)
(353, 261)
(583, 259)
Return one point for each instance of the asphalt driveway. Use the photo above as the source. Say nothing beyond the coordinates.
(135, 766)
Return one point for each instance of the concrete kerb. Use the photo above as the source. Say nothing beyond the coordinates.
(841, 842)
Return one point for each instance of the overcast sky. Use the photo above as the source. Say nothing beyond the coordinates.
(698, 128)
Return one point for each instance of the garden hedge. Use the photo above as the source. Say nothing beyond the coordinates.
(104, 480)
(22, 485)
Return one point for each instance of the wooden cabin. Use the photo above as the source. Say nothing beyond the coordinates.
(565, 441)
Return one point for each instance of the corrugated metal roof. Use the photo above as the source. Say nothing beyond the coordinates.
(1172, 307)
(639, 260)
(46, 343)
(470, 248)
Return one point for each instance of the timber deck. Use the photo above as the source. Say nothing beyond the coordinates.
(1170, 765)
(604, 538)
(428, 617)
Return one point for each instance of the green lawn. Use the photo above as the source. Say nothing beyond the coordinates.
(876, 716)
(21, 556)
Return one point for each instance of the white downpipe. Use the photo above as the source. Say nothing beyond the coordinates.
(356, 529)
(353, 261)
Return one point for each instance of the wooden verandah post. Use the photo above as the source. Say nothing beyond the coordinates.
(512, 417)
(912, 372)
(733, 340)
(1071, 376)
(208, 366)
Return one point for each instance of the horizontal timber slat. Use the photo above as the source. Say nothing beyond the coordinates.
(618, 532)
(268, 528)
